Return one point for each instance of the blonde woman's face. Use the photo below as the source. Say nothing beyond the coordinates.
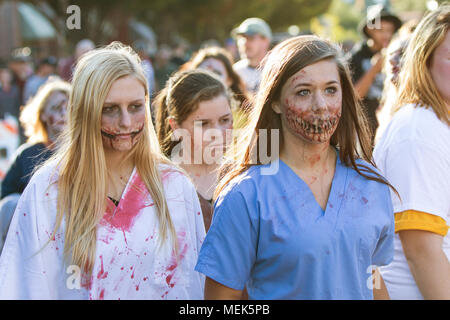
(311, 102)
(123, 114)
(440, 69)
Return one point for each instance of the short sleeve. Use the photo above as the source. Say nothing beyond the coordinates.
(229, 251)
(419, 172)
(417, 220)
(384, 250)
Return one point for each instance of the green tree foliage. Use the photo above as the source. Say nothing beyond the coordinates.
(195, 20)
(339, 23)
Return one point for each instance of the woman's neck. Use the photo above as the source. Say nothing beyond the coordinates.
(118, 164)
(204, 178)
(307, 157)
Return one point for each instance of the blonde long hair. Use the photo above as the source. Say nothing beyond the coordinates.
(82, 170)
(30, 117)
(416, 84)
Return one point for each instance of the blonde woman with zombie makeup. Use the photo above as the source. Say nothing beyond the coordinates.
(314, 228)
(108, 216)
(414, 154)
(43, 118)
(194, 121)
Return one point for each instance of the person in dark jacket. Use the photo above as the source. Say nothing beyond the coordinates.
(366, 59)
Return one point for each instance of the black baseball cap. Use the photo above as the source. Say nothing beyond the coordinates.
(378, 12)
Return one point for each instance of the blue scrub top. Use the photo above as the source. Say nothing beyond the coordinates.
(270, 235)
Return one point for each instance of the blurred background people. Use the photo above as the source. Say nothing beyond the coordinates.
(220, 62)
(43, 119)
(366, 58)
(196, 104)
(11, 134)
(21, 68)
(164, 67)
(142, 48)
(391, 70)
(10, 99)
(45, 69)
(66, 66)
(253, 40)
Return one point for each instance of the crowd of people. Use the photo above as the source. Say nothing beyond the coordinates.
(297, 171)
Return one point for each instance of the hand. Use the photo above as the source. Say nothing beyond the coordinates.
(377, 61)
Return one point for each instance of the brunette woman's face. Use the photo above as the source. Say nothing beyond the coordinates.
(208, 127)
(123, 114)
(311, 102)
(217, 67)
(440, 69)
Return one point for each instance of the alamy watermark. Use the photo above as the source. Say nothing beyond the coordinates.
(74, 20)
(211, 144)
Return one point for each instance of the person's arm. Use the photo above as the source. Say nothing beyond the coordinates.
(229, 250)
(216, 291)
(363, 85)
(428, 263)
(380, 292)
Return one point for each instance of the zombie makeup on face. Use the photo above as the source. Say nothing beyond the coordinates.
(317, 129)
(311, 102)
(123, 114)
(119, 133)
(54, 114)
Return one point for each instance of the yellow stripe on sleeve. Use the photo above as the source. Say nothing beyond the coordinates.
(418, 220)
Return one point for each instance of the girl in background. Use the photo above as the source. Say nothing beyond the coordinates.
(196, 104)
(220, 62)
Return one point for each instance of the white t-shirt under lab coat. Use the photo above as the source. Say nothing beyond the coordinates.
(413, 154)
(128, 264)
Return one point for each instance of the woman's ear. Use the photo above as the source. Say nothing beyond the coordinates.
(276, 107)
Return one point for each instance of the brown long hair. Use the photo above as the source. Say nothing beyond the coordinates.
(416, 84)
(286, 59)
(181, 96)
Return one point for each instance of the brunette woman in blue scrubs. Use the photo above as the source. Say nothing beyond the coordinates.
(313, 220)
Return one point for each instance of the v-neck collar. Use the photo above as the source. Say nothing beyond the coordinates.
(125, 190)
(337, 186)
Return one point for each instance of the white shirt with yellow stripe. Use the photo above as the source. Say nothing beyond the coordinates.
(413, 154)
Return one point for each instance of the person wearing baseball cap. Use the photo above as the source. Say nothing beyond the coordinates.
(366, 58)
(253, 37)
